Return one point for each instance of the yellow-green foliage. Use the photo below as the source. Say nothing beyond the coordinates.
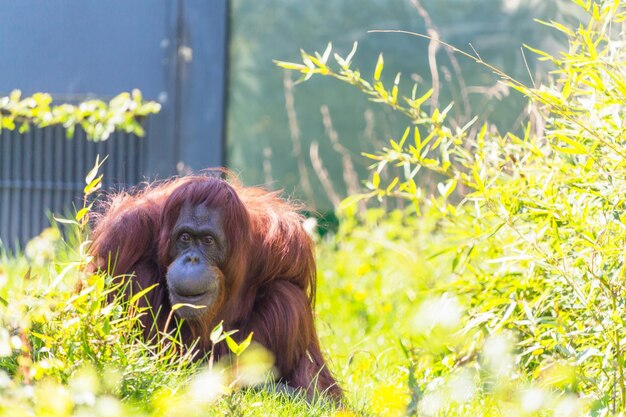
(501, 293)
(97, 118)
(531, 234)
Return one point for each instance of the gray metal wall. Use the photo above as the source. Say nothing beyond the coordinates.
(42, 173)
(174, 51)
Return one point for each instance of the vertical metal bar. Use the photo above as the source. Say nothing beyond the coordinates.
(81, 169)
(108, 148)
(16, 215)
(90, 157)
(136, 160)
(131, 156)
(38, 156)
(129, 165)
(48, 152)
(142, 155)
(21, 158)
(28, 230)
(100, 151)
(39, 206)
(119, 159)
(136, 156)
(125, 156)
(66, 176)
(5, 191)
(9, 194)
(56, 189)
(124, 150)
(114, 154)
(72, 178)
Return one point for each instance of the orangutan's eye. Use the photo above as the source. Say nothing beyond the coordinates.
(184, 238)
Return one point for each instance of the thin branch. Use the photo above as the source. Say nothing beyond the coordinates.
(322, 174)
(531, 93)
(528, 68)
(350, 176)
(267, 165)
(294, 130)
(433, 46)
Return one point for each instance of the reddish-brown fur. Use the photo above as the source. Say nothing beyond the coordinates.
(270, 268)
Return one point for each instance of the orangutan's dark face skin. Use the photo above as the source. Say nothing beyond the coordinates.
(198, 249)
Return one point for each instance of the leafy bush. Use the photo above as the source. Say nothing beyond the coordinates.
(530, 231)
(504, 296)
(97, 118)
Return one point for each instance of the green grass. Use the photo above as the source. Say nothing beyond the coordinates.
(64, 352)
(389, 317)
(505, 296)
(74, 354)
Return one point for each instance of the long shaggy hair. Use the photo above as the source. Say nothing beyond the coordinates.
(269, 272)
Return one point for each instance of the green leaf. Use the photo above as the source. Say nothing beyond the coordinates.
(106, 327)
(232, 345)
(238, 348)
(417, 138)
(447, 188)
(94, 171)
(575, 147)
(290, 65)
(93, 186)
(376, 179)
(379, 67)
(352, 52)
(419, 101)
(181, 305)
(84, 211)
(244, 345)
(69, 131)
(326, 54)
(141, 293)
(392, 185)
(538, 52)
(405, 136)
(353, 199)
(217, 333)
(64, 221)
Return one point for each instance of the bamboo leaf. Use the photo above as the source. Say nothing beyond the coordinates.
(326, 54)
(290, 65)
(217, 333)
(93, 186)
(244, 345)
(376, 179)
(143, 292)
(575, 147)
(379, 67)
(232, 345)
(94, 171)
(405, 136)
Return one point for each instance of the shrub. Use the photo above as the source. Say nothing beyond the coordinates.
(97, 118)
(531, 229)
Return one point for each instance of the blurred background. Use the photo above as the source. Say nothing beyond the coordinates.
(224, 101)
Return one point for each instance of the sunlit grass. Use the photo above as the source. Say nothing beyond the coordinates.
(508, 301)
